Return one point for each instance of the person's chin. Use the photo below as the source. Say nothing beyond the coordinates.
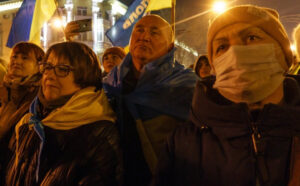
(142, 53)
(50, 92)
(50, 96)
(16, 73)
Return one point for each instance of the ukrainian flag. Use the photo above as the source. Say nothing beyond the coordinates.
(158, 4)
(29, 20)
(119, 34)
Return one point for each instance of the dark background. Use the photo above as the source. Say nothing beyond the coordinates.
(193, 32)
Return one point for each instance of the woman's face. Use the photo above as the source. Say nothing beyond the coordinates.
(111, 60)
(204, 71)
(22, 65)
(243, 34)
(54, 86)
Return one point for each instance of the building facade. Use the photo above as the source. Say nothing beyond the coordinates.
(103, 14)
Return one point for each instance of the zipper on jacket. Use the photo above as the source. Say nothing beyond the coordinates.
(256, 139)
(258, 148)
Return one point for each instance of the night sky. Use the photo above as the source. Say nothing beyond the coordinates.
(193, 32)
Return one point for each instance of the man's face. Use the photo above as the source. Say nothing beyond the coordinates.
(243, 34)
(151, 38)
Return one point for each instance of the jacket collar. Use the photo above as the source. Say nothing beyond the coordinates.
(228, 119)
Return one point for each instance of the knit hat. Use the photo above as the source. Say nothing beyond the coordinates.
(116, 50)
(264, 18)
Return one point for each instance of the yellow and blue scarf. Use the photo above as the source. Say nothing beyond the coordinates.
(84, 107)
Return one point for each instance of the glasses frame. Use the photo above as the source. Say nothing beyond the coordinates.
(55, 68)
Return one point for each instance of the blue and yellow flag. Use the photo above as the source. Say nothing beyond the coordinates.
(29, 20)
(158, 4)
(119, 34)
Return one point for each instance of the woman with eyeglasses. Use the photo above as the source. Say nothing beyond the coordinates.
(69, 137)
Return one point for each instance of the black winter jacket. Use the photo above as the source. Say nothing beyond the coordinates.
(226, 144)
(87, 155)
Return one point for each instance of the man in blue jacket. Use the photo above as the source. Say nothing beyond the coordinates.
(152, 94)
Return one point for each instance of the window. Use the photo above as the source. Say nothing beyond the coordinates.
(82, 11)
(100, 35)
(100, 14)
(84, 36)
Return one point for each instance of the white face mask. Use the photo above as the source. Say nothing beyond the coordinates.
(248, 73)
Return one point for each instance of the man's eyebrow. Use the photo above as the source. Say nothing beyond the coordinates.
(139, 26)
(154, 28)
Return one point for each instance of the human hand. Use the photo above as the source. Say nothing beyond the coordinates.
(71, 30)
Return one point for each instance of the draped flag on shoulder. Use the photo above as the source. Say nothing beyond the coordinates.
(29, 20)
(119, 33)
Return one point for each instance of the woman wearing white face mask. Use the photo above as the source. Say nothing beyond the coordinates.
(243, 129)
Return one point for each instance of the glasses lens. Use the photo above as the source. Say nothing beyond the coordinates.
(62, 70)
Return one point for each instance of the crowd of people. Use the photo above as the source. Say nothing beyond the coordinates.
(146, 119)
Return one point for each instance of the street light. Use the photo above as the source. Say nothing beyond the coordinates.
(58, 23)
(219, 7)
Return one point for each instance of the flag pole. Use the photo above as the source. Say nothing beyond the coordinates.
(173, 15)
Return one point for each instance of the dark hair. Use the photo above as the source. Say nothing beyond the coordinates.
(87, 71)
(199, 63)
(27, 47)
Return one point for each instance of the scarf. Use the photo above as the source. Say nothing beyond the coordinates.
(45, 106)
(92, 106)
(164, 87)
(16, 88)
(16, 82)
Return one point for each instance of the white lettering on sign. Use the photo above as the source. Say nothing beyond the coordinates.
(135, 14)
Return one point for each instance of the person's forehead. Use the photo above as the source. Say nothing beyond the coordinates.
(111, 54)
(22, 52)
(152, 22)
(236, 30)
(54, 58)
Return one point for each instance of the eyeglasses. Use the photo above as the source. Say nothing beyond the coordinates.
(59, 70)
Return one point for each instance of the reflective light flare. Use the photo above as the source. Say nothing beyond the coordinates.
(219, 7)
